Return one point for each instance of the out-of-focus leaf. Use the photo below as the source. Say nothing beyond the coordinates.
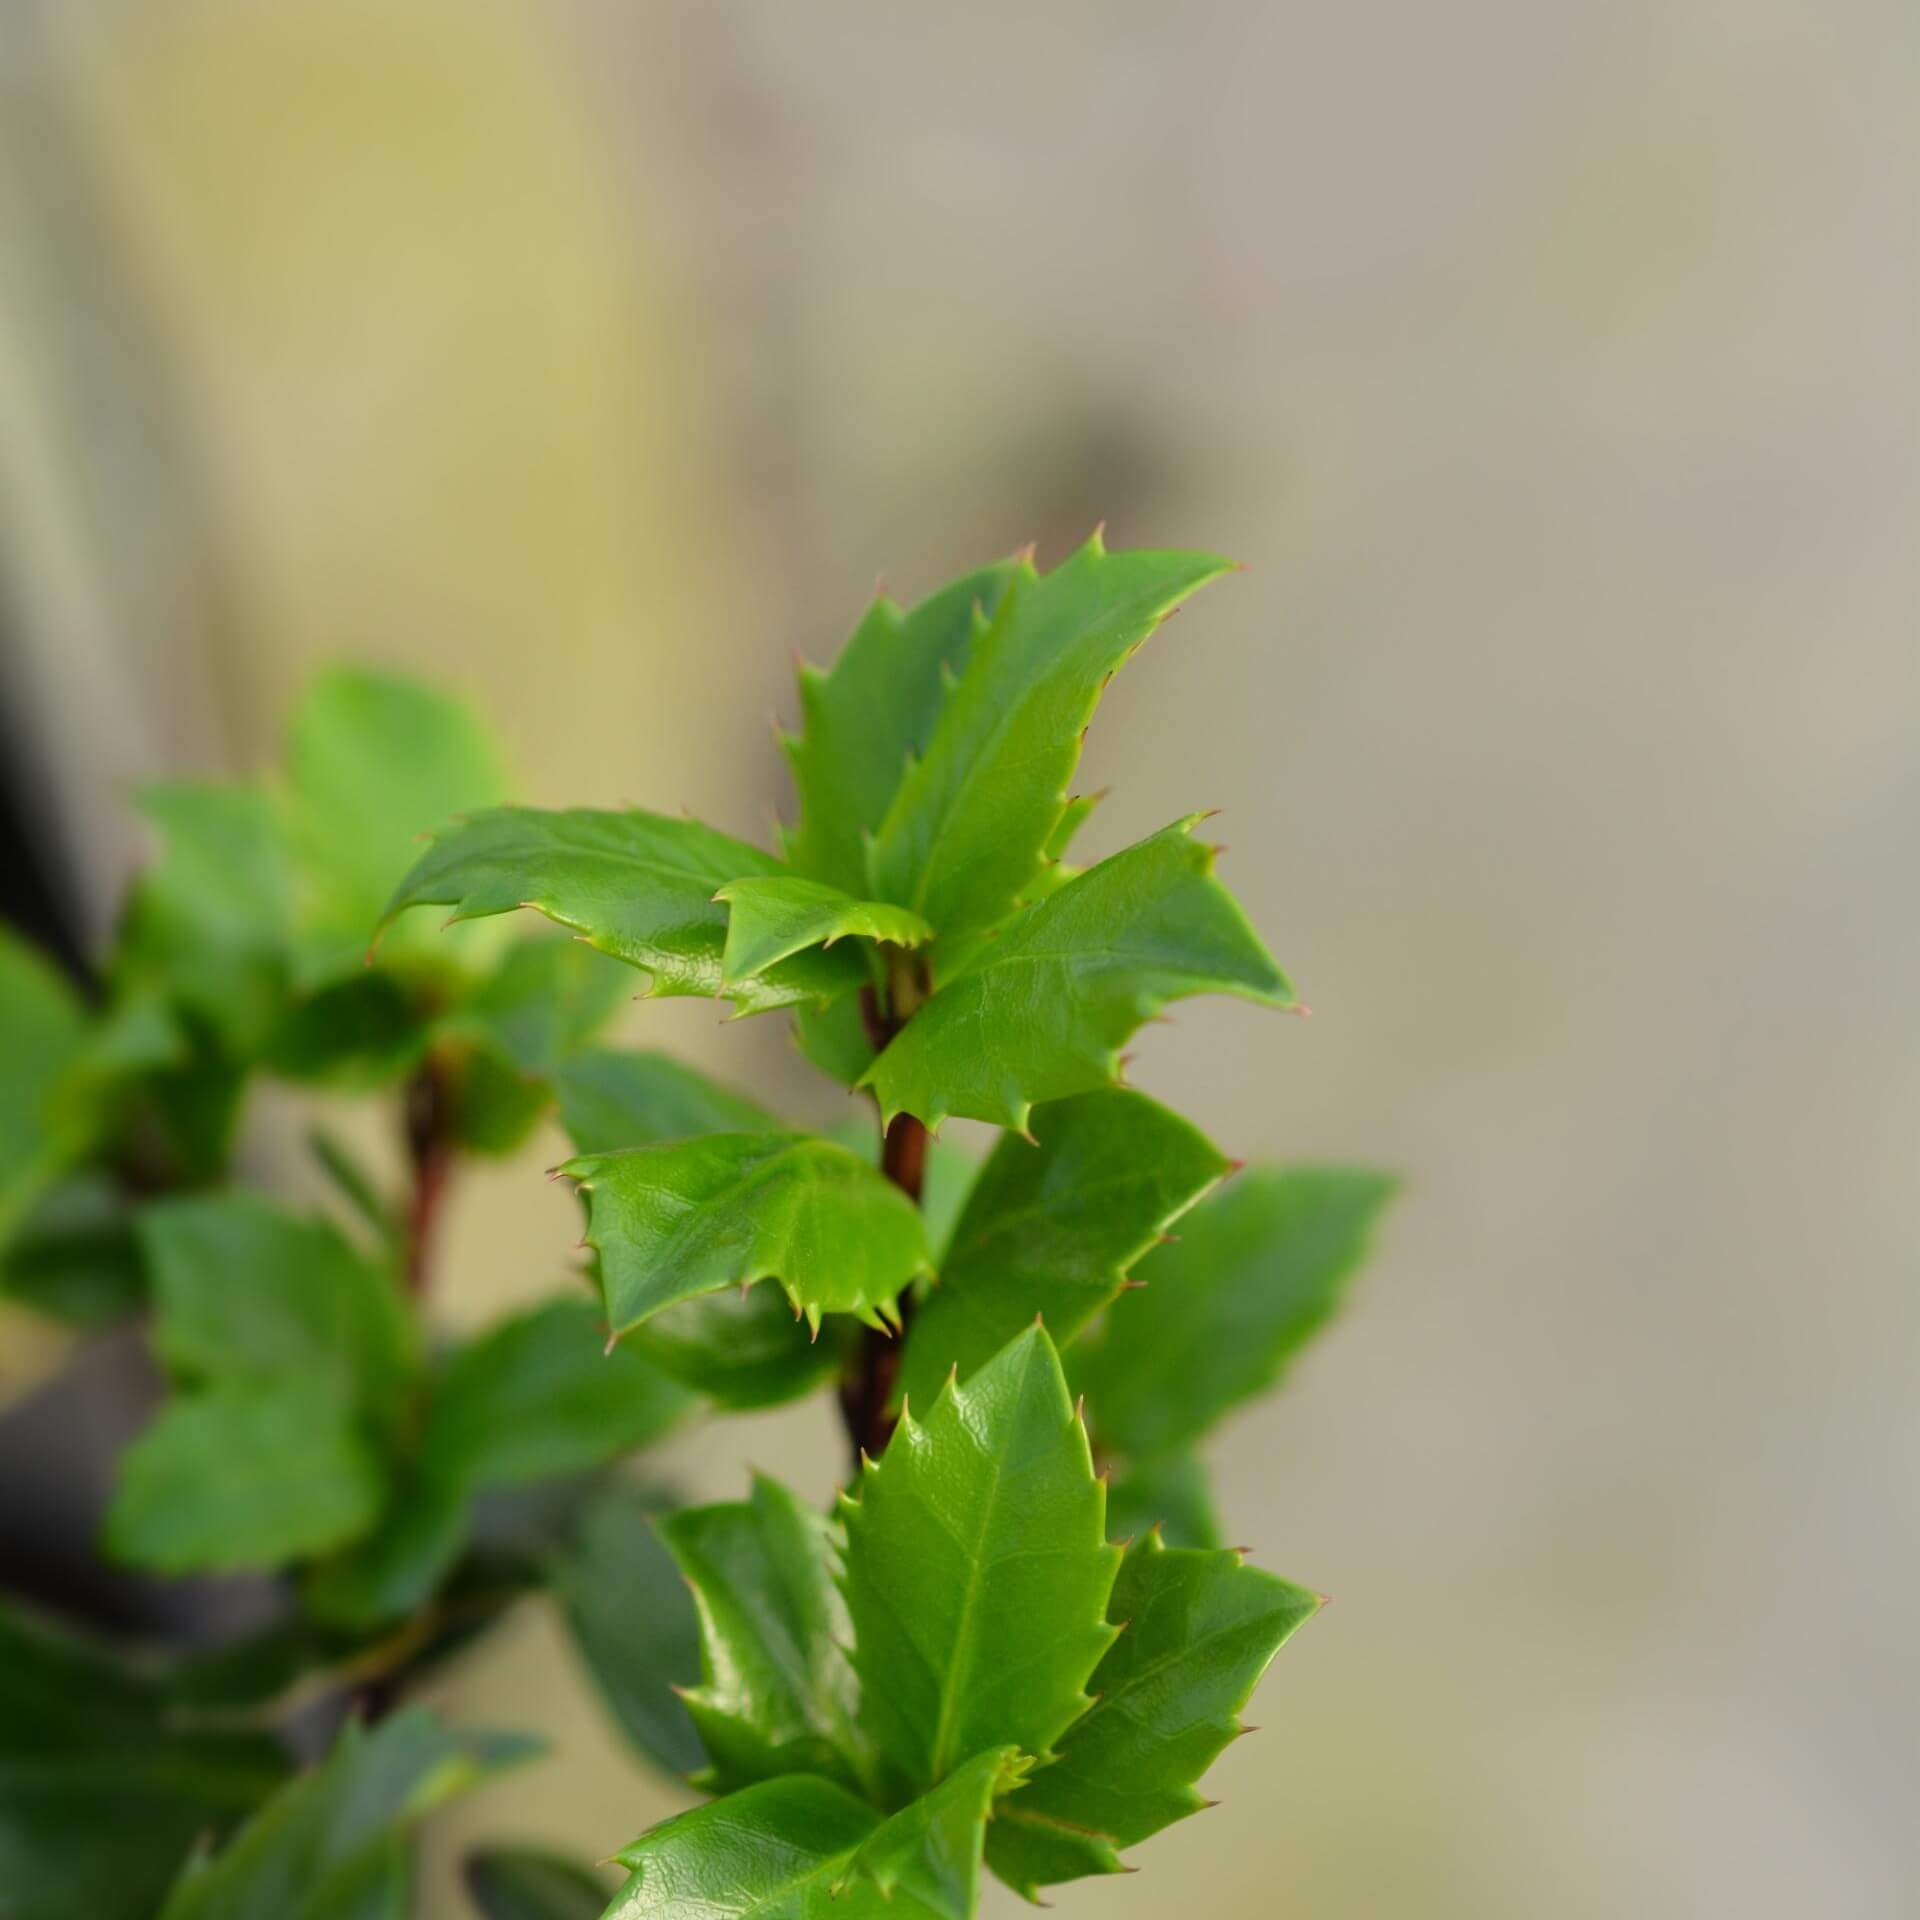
(636, 885)
(729, 1209)
(865, 718)
(777, 1694)
(835, 1038)
(539, 1397)
(633, 1621)
(977, 1570)
(74, 1256)
(43, 1033)
(773, 916)
(394, 1570)
(374, 762)
(360, 1032)
(544, 1002)
(1170, 1493)
(740, 1350)
(103, 1791)
(245, 1294)
(968, 828)
(250, 1476)
(493, 1108)
(611, 1099)
(1052, 1226)
(518, 1883)
(1042, 1010)
(1257, 1269)
(1200, 1630)
(318, 1846)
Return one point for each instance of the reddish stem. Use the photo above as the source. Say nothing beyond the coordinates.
(430, 1153)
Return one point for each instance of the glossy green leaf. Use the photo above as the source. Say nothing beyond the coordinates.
(43, 1035)
(539, 1397)
(636, 885)
(1042, 1010)
(633, 1621)
(772, 916)
(104, 1787)
(1256, 1270)
(802, 1848)
(518, 1883)
(247, 1295)
(866, 717)
(313, 1851)
(1200, 1630)
(375, 761)
(835, 1038)
(777, 1694)
(1171, 1493)
(977, 1570)
(728, 1209)
(1052, 1226)
(968, 828)
(611, 1099)
(250, 1476)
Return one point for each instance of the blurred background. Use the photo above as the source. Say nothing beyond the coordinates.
(1552, 369)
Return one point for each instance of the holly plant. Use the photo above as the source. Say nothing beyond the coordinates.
(1015, 1643)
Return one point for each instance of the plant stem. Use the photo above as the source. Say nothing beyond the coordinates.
(427, 1117)
(866, 1392)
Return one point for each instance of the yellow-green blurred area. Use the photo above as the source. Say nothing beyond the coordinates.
(1551, 367)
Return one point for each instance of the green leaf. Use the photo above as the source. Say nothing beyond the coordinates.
(43, 1034)
(1256, 1270)
(835, 1038)
(1170, 1493)
(103, 1789)
(967, 831)
(633, 1621)
(727, 1209)
(374, 761)
(772, 916)
(543, 1003)
(246, 1295)
(802, 1848)
(977, 1570)
(539, 1397)
(777, 1694)
(517, 1883)
(741, 1350)
(611, 1099)
(209, 923)
(244, 1477)
(394, 1570)
(313, 1851)
(636, 885)
(1053, 1224)
(74, 1256)
(1200, 1630)
(358, 1033)
(1042, 1010)
(871, 713)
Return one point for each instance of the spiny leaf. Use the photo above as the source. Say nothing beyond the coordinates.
(802, 1848)
(1052, 1225)
(1256, 1270)
(865, 718)
(775, 915)
(243, 1477)
(968, 828)
(633, 1621)
(930, 1850)
(321, 1836)
(1041, 1011)
(611, 1098)
(728, 1209)
(1200, 1630)
(537, 1398)
(245, 1294)
(977, 1570)
(1170, 1493)
(777, 1695)
(636, 885)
